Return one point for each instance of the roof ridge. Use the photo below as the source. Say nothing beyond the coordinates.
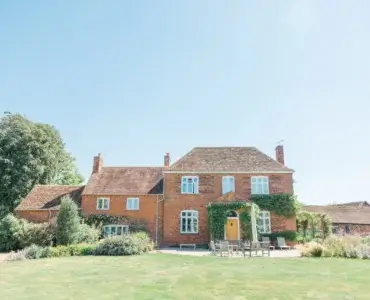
(158, 167)
(58, 185)
(224, 147)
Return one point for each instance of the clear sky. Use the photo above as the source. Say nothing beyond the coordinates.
(135, 79)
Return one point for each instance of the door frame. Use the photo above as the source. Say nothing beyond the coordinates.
(233, 218)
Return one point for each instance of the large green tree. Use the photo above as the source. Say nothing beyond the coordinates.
(31, 153)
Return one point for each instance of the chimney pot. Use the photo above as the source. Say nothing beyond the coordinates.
(167, 160)
(279, 151)
(98, 163)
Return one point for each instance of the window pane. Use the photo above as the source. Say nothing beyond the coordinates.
(195, 225)
(183, 179)
(183, 213)
(106, 230)
(119, 230)
(106, 201)
(189, 213)
(183, 224)
(113, 230)
(188, 225)
(184, 188)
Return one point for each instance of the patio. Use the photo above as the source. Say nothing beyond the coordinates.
(205, 252)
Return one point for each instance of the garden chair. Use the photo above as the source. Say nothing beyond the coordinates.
(281, 244)
(267, 239)
(235, 245)
(224, 248)
(246, 246)
(214, 247)
(265, 247)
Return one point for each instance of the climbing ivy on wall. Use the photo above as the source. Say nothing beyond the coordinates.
(101, 219)
(217, 216)
(282, 204)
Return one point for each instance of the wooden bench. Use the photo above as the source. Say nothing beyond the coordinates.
(187, 245)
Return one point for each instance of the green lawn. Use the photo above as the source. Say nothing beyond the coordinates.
(160, 276)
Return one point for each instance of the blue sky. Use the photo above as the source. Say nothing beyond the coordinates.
(135, 79)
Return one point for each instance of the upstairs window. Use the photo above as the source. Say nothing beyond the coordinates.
(132, 204)
(102, 204)
(260, 185)
(264, 222)
(189, 185)
(189, 221)
(228, 184)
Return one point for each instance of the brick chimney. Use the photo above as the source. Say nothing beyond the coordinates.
(167, 160)
(279, 150)
(98, 163)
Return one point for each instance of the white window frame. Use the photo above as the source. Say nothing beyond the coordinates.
(228, 184)
(260, 185)
(191, 187)
(132, 203)
(123, 229)
(264, 222)
(103, 202)
(191, 215)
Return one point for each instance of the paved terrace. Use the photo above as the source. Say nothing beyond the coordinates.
(203, 252)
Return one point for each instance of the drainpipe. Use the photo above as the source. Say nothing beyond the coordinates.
(156, 219)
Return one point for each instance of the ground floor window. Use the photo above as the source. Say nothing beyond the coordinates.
(264, 222)
(189, 221)
(110, 230)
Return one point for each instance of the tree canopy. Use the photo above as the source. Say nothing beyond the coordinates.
(31, 153)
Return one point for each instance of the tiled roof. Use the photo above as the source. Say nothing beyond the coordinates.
(49, 196)
(343, 214)
(356, 203)
(224, 159)
(125, 181)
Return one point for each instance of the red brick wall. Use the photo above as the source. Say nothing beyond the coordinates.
(210, 188)
(117, 207)
(355, 229)
(36, 216)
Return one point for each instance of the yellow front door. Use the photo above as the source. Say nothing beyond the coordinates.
(232, 229)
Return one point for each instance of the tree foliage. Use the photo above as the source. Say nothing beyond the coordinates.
(31, 153)
(68, 223)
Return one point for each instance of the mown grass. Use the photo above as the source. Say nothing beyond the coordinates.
(161, 276)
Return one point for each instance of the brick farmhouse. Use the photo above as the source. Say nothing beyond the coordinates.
(171, 200)
(347, 218)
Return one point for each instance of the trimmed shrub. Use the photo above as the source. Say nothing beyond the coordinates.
(18, 234)
(145, 243)
(11, 229)
(38, 234)
(82, 249)
(128, 244)
(36, 252)
(60, 251)
(68, 223)
(88, 234)
(312, 249)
